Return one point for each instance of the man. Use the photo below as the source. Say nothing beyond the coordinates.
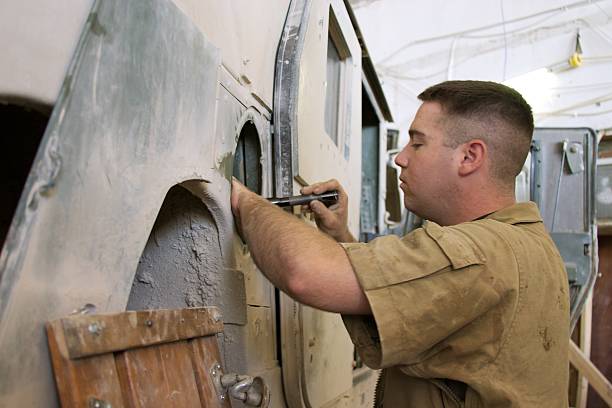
(470, 310)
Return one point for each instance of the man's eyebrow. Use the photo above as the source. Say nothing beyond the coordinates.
(416, 133)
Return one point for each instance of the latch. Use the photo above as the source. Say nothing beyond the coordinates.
(252, 391)
(575, 156)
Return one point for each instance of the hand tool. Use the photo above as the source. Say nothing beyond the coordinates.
(328, 198)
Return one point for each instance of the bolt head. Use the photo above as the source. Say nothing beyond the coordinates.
(94, 328)
(216, 316)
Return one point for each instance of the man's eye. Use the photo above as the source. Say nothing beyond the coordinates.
(416, 145)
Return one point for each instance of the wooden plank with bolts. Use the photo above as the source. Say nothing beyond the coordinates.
(98, 334)
(83, 382)
(597, 380)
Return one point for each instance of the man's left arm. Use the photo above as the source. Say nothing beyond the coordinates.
(300, 260)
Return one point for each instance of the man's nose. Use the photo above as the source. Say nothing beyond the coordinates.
(401, 159)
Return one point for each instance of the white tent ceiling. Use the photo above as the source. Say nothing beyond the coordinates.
(415, 44)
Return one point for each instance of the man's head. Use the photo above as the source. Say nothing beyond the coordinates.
(467, 136)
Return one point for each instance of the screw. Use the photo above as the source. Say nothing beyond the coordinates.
(573, 149)
(149, 323)
(96, 403)
(94, 328)
(216, 316)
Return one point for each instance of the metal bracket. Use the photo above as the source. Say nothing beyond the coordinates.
(536, 171)
(575, 157)
(252, 391)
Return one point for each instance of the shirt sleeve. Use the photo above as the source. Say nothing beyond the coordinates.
(421, 288)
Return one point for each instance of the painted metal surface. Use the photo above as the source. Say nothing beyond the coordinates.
(313, 141)
(151, 102)
(248, 33)
(317, 354)
(563, 186)
(136, 104)
(286, 91)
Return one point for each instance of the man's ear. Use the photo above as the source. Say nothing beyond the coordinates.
(474, 155)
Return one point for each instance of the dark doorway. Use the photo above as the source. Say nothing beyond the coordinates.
(23, 129)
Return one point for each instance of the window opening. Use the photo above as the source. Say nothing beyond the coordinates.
(332, 91)
(337, 54)
(247, 158)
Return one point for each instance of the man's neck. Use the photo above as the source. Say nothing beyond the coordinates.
(477, 206)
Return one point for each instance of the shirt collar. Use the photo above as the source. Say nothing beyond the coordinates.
(527, 212)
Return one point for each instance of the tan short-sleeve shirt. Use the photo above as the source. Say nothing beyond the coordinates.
(483, 303)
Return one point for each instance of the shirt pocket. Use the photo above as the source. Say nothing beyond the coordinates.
(389, 260)
(458, 247)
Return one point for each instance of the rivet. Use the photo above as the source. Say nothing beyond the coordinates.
(149, 323)
(216, 316)
(94, 328)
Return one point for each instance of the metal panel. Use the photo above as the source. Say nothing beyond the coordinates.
(308, 375)
(286, 89)
(133, 119)
(563, 185)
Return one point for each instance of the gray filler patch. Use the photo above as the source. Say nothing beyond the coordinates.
(182, 266)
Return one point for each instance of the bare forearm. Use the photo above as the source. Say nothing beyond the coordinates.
(279, 241)
(302, 261)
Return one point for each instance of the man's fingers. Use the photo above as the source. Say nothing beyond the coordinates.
(322, 187)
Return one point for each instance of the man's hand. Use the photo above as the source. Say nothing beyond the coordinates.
(332, 220)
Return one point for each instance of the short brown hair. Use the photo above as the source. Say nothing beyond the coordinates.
(490, 111)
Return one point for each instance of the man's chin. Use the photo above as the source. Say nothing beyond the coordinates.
(410, 206)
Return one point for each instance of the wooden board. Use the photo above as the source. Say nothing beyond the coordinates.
(81, 381)
(160, 358)
(98, 334)
(205, 356)
(158, 376)
(592, 374)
